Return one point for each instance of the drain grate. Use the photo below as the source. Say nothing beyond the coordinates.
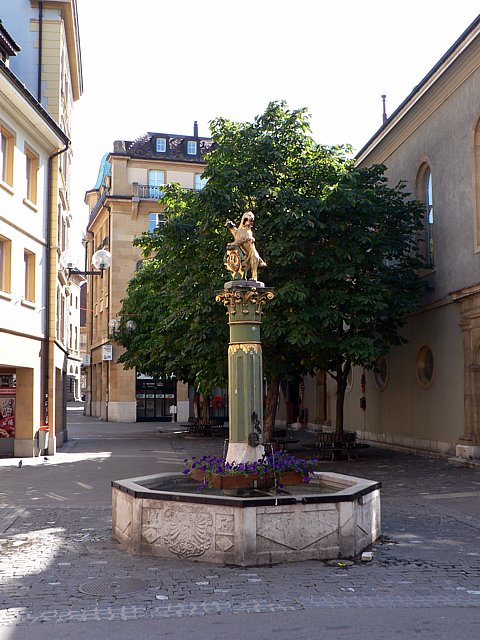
(112, 587)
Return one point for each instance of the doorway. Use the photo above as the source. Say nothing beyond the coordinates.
(154, 399)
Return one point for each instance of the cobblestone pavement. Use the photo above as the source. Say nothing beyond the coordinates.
(52, 553)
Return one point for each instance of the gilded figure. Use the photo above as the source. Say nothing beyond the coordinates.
(250, 260)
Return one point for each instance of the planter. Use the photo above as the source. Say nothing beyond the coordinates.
(238, 482)
(266, 481)
(291, 477)
(217, 481)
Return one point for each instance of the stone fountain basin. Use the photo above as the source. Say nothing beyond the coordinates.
(334, 516)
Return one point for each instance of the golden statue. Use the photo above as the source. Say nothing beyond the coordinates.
(247, 260)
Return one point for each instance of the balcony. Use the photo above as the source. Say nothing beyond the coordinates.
(151, 192)
(148, 192)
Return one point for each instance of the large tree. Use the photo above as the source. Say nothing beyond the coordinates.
(339, 246)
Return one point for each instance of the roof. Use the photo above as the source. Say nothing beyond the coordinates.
(422, 87)
(19, 93)
(7, 43)
(103, 172)
(144, 147)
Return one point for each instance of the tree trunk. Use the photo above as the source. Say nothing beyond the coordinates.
(205, 407)
(339, 405)
(270, 408)
(196, 404)
(343, 369)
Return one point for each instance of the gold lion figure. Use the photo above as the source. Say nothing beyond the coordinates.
(243, 238)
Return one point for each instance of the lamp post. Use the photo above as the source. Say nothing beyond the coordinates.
(101, 261)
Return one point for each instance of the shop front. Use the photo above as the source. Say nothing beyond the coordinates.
(7, 412)
(155, 399)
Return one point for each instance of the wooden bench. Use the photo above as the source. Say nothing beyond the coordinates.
(281, 438)
(205, 427)
(330, 442)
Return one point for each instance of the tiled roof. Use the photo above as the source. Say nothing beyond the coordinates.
(145, 147)
(7, 44)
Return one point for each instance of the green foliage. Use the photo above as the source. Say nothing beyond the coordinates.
(339, 243)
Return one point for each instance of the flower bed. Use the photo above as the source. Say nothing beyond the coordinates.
(214, 472)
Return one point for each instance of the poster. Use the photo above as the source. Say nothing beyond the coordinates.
(7, 413)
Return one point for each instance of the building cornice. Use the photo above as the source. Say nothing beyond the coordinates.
(27, 107)
(68, 9)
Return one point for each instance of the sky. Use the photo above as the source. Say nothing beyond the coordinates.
(154, 65)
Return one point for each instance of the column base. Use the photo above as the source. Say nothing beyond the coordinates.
(240, 452)
(467, 452)
(24, 448)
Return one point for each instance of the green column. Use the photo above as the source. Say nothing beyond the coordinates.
(244, 301)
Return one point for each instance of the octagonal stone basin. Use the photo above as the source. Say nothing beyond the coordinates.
(334, 516)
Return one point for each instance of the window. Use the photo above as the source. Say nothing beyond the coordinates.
(161, 145)
(156, 180)
(425, 190)
(5, 253)
(200, 182)
(31, 175)
(380, 373)
(191, 147)
(29, 259)
(424, 367)
(6, 156)
(154, 221)
(476, 162)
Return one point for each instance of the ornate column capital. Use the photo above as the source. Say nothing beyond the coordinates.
(244, 303)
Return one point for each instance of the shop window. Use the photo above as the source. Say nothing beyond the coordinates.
(425, 367)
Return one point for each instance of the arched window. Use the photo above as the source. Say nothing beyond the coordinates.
(476, 196)
(425, 195)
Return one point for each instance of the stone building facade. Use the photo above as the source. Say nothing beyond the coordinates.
(30, 143)
(425, 395)
(125, 202)
(48, 66)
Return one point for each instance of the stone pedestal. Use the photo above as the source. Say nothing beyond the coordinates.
(244, 300)
(468, 452)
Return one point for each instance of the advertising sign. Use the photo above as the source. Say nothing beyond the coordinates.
(107, 352)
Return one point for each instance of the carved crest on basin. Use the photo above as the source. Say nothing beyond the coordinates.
(188, 532)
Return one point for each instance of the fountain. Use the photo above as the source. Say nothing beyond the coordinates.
(164, 515)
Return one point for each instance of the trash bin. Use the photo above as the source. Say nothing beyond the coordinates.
(43, 438)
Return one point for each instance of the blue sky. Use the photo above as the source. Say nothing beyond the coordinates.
(167, 64)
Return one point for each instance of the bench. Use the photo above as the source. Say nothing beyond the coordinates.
(206, 427)
(330, 442)
(281, 438)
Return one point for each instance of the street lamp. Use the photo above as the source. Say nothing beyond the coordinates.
(114, 325)
(101, 260)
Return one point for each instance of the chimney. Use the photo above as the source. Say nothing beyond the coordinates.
(384, 114)
(119, 146)
(195, 129)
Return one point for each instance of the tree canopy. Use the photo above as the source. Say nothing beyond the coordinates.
(340, 246)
